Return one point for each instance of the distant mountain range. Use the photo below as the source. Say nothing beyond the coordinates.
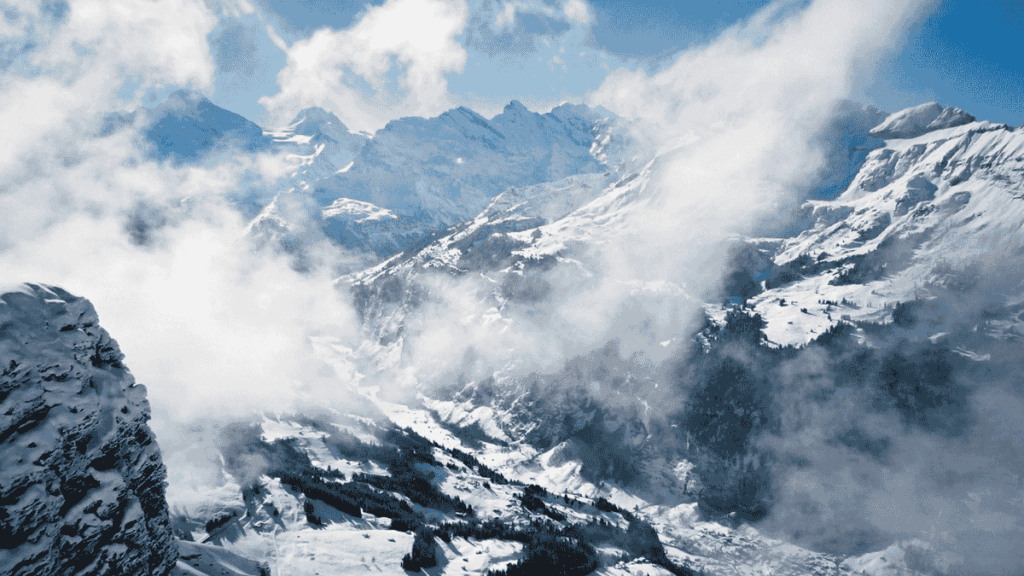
(385, 192)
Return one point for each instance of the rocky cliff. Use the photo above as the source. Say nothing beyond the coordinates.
(81, 479)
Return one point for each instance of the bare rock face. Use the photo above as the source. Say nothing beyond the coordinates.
(81, 479)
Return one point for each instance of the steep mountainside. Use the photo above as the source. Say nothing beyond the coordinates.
(932, 215)
(82, 483)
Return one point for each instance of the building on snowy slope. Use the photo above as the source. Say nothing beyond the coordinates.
(81, 478)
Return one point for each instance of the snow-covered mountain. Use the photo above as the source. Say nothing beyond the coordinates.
(930, 214)
(416, 175)
(448, 168)
(187, 126)
(905, 246)
(883, 315)
(386, 192)
(320, 147)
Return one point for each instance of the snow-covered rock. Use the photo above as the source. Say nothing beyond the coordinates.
(195, 559)
(81, 478)
(919, 120)
(910, 558)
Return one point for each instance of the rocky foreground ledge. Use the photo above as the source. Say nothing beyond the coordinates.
(81, 479)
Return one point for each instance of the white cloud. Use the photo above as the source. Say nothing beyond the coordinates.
(276, 38)
(507, 16)
(739, 116)
(164, 41)
(735, 120)
(576, 11)
(347, 71)
(233, 8)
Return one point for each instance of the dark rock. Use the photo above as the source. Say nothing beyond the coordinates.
(82, 482)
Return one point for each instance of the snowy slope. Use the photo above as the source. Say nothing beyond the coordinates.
(318, 146)
(521, 230)
(196, 559)
(513, 211)
(926, 215)
(276, 525)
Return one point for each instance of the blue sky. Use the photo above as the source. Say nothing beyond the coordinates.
(964, 54)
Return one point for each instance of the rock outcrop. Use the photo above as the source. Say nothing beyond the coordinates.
(81, 478)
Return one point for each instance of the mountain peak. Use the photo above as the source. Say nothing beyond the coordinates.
(311, 120)
(185, 98)
(316, 115)
(187, 124)
(918, 120)
(515, 114)
(464, 112)
(516, 106)
(568, 110)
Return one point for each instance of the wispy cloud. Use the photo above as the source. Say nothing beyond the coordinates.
(210, 322)
(393, 62)
(736, 123)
